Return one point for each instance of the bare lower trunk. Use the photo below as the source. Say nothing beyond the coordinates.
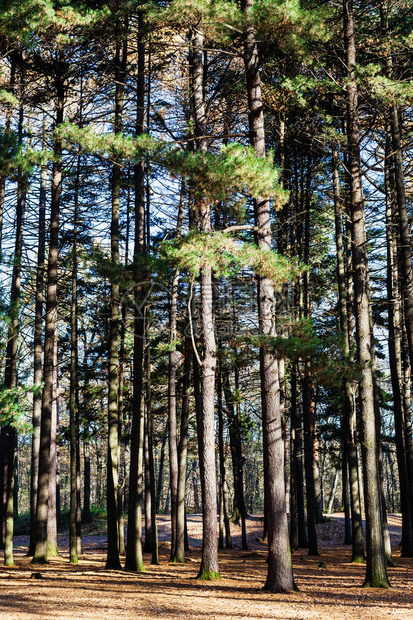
(52, 514)
(40, 551)
(172, 415)
(348, 433)
(309, 471)
(74, 432)
(182, 456)
(38, 369)
(223, 508)
(10, 377)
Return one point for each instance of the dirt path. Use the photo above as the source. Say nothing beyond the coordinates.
(329, 586)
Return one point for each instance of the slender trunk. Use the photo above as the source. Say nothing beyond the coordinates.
(150, 461)
(308, 392)
(241, 496)
(183, 455)
(396, 213)
(293, 492)
(151, 540)
(159, 485)
(376, 570)
(53, 506)
(172, 415)
(10, 377)
(15, 59)
(348, 537)
(37, 381)
(123, 486)
(298, 463)
(183, 439)
(209, 564)
(86, 517)
(407, 430)
(333, 492)
(134, 557)
(40, 550)
(112, 560)
(280, 575)
(224, 512)
(148, 542)
(172, 399)
(309, 471)
(349, 447)
(74, 431)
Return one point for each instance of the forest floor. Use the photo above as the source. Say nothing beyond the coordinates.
(329, 586)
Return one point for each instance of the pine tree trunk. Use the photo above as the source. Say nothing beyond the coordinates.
(396, 214)
(53, 505)
(376, 571)
(293, 490)
(172, 415)
(183, 438)
(298, 461)
(15, 59)
(183, 455)
(151, 465)
(86, 517)
(159, 485)
(74, 431)
(10, 376)
(279, 576)
(38, 368)
(350, 449)
(112, 559)
(224, 512)
(333, 493)
(348, 537)
(148, 542)
(309, 471)
(134, 557)
(40, 550)
(209, 564)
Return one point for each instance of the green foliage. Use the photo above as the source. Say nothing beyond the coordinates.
(236, 168)
(226, 255)
(290, 26)
(19, 21)
(220, 18)
(6, 98)
(12, 406)
(323, 352)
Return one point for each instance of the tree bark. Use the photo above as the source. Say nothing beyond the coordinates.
(10, 376)
(38, 368)
(183, 438)
(349, 444)
(309, 471)
(112, 559)
(40, 551)
(209, 563)
(223, 510)
(172, 415)
(280, 575)
(74, 430)
(376, 570)
(134, 557)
